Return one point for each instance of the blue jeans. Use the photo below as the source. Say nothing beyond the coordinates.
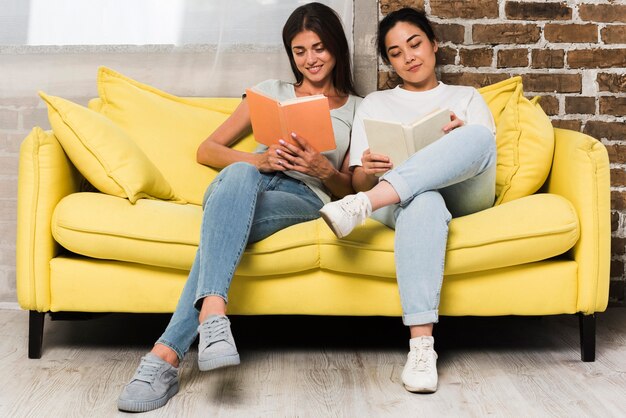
(242, 205)
(454, 176)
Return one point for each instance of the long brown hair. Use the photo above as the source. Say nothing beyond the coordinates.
(324, 21)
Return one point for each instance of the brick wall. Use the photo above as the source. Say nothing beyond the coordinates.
(571, 53)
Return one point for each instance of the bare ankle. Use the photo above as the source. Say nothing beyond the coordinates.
(165, 353)
(212, 305)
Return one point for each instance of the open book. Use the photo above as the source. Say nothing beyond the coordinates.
(399, 141)
(308, 116)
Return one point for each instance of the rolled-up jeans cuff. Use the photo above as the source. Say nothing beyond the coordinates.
(177, 350)
(422, 318)
(399, 184)
(197, 303)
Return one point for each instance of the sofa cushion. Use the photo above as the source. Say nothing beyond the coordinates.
(167, 128)
(104, 153)
(163, 234)
(524, 138)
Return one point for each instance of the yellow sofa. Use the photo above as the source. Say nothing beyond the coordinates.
(80, 250)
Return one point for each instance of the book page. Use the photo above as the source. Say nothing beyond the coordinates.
(428, 129)
(386, 138)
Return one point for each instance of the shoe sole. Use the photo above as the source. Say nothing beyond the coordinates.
(420, 390)
(145, 406)
(332, 225)
(219, 362)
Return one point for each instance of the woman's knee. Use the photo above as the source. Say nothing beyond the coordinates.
(233, 175)
(430, 204)
(239, 171)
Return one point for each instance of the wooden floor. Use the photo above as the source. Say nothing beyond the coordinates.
(324, 366)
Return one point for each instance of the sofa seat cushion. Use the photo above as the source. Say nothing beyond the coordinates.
(165, 234)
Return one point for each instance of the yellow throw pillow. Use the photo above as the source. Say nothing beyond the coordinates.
(104, 154)
(524, 140)
(167, 128)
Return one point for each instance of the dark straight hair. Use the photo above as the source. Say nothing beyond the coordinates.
(408, 15)
(322, 20)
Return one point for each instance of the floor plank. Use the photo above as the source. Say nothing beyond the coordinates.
(324, 366)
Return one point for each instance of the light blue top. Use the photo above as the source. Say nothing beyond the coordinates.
(342, 126)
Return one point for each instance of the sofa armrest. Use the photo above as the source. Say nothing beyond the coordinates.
(45, 176)
(580, 173)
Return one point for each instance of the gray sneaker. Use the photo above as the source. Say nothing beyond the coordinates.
(217, 346)
(153, 384)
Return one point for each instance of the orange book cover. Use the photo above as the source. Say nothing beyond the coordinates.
(308, 116)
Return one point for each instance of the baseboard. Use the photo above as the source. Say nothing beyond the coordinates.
(13, 306)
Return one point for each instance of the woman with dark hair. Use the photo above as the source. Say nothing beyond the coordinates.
(454, 176)
(254, 196)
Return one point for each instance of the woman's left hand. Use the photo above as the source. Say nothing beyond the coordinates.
(455, 122)
(303, 158)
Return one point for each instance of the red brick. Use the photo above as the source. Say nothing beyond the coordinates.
(617, 293)
(464, 9)
(505, 33)
(537, 11)
(388, 6)
(571, 124)
(597, 58)
(446, 55)
(549, 104)
(562, 83)
(617, 153)
(618, 177)
(618, 245)
(602, 12)
(473, 79)
(615, 106)
(578, 104)
(617, 268)
(554, 32)
(614, 221)
(618, 200)
(614, 34)
(548, 58)
(387, 80)
(449, 32)
(614, 83)
(476, 57)
(611, 131)
(509, 58)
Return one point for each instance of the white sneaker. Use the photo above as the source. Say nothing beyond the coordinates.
(344, 215)
(420, 371)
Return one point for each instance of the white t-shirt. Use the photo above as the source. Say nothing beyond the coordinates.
(400, 105)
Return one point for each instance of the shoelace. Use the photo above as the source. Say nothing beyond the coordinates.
(216, 330)
(147, 370)
(420, 360)
(355, 207)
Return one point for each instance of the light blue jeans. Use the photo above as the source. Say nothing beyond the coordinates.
(242, 205)
(454, 176)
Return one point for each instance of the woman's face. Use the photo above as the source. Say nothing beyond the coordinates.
(312, 58)
(412, 56)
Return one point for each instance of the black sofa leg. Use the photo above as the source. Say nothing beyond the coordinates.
(35, 333)
(587, 324)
